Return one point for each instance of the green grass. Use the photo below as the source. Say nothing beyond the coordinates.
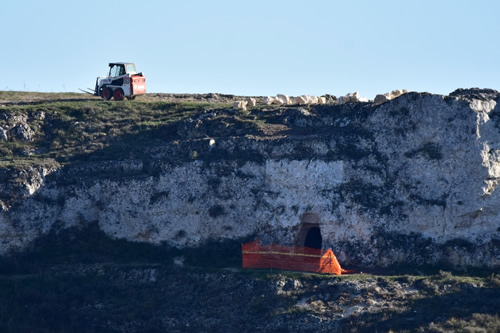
(70, 128)
(28, 96)
(67, 128)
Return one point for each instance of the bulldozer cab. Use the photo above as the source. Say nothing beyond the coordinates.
(120, 68)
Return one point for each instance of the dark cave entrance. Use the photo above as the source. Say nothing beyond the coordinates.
(310, 232)
(313, 238)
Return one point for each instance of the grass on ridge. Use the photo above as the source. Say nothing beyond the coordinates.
(67, 126)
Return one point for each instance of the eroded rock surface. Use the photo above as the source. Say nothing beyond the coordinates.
(413, 180)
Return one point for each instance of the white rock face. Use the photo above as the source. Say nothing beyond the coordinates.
(413, 180)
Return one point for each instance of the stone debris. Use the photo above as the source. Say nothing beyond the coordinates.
(23, 132)
(251, 101)
(382, 98)
(355, 97)
(284, 99)
(17, 127)
(4, 134)
(268, 100)
(242, 105)
(301, 100)
(352, 98)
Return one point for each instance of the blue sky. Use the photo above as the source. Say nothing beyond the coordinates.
(254, 47)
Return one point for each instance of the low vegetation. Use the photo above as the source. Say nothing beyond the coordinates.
(75, 127)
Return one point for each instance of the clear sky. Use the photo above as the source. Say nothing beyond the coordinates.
(253, 47)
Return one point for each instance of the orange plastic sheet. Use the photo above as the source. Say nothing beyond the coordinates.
(290, 258)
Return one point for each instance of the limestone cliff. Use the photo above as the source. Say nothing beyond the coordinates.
(410, 181)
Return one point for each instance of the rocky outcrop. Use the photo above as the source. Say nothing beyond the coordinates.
(352, 98)
(382, 98)
(17, 127)
(411, 181)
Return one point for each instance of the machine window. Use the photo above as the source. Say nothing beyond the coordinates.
(131, 68)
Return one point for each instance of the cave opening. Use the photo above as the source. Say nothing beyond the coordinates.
(313, 238)
(310, 232)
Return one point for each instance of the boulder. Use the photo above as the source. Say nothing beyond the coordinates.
(353, 98)
(301, 100)
(379, 99)
(330, 99)
(240, 105)
(251, 101)
(23, 132)
(4, 134)
(284, 99)
(308, 99)
(398, 92)
(382, 98)
(269, 100)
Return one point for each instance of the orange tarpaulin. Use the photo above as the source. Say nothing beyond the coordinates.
(290, 258)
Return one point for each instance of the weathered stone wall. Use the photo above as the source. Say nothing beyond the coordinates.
(412, 180)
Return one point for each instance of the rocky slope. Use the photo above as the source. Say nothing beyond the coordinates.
(411, 181)
(152, 298)
(79, 280)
